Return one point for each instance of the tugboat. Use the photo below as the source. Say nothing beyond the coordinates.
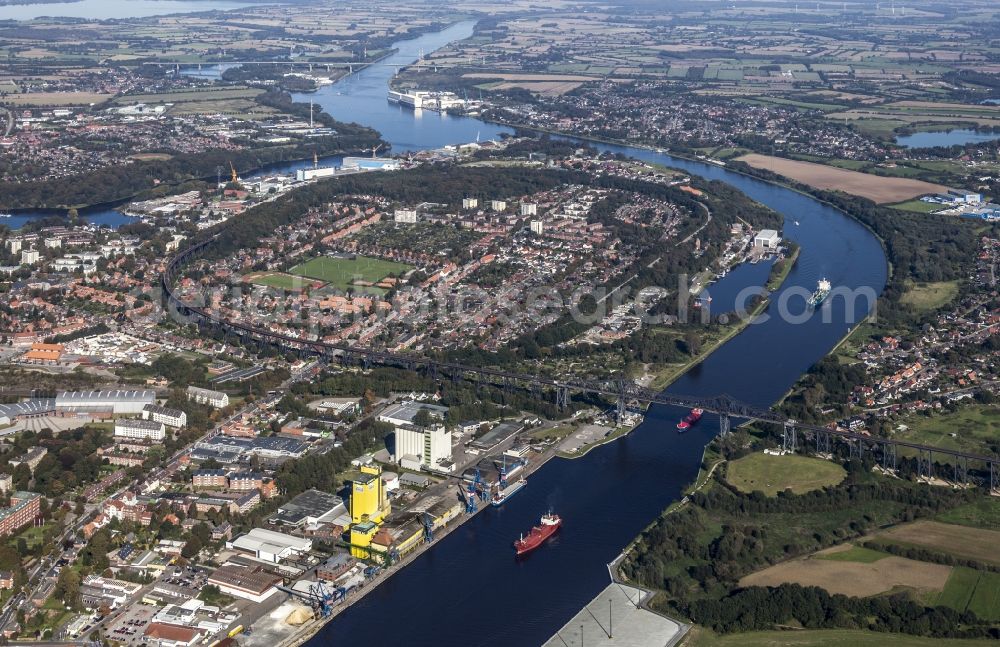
(689, 420)
(822, 291)
(550, 523)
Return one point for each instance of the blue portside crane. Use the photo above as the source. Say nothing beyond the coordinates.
(470, 500)
(319, 597)
(428, 522)
(480, 487)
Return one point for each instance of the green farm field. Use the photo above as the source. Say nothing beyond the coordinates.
(823, 638)
(976, 591)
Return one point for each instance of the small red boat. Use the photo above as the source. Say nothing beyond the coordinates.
(689, 420)
(550, 523)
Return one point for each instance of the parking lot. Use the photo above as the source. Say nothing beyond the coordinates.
(128, 628)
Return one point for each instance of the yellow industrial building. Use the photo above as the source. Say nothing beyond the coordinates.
(369, 500)
(369, 508)
(361, 539)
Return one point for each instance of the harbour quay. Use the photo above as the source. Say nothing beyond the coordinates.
(616, 617)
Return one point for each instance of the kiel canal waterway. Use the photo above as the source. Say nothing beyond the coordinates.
(468, 589)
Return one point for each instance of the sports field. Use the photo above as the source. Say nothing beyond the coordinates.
(876, 188)
(773, 474)
(359, 273)
(281, 281)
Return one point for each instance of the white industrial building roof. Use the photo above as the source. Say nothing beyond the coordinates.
(405, 412)
(268, 541)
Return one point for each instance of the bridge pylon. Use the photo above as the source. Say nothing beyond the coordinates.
(724, 424)
(562, 397)
(789, 437)
(889, 456)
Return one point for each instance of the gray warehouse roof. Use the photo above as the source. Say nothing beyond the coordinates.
(82, 397)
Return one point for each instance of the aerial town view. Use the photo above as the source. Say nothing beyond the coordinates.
(648, 323)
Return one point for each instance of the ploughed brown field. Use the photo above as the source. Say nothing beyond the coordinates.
(883, 190)
(961, 541)
(854, 578)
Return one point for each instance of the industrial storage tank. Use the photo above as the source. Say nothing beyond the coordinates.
(390, 480)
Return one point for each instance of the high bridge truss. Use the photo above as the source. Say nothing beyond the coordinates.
(961, 467)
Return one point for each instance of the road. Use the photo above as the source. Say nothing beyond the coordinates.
(46, 566)
(708, 212)
(9, 120)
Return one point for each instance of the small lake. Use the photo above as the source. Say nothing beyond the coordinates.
(107, 9)
(946, 138)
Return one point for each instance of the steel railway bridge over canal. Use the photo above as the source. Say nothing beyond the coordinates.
(959, 467)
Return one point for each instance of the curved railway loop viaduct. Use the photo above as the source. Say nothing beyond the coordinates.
(959, 467)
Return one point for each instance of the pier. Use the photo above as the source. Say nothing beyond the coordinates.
(617, 617)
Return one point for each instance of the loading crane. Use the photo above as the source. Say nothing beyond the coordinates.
(479, 488)
(319, 597)
(470, 499)
(428, 522)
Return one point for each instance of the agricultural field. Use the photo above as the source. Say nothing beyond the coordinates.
(822, 638)
(981, 513)
(55, 99)
(930, 296)
(773, 474)
(878, 189)
(211, 94)
(960, 541)
(855, 578)
(917, 206)
(974, 428)
(359, 273)
(970, 590)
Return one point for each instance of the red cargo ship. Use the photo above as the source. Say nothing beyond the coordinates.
(538, 535)
(689, 420)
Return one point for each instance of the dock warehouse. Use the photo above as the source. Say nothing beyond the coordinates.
(248, 583)
(270, 546)
(116, 401)
(767, 239)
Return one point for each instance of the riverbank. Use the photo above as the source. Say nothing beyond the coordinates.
(706, 161)
(522, 606)
(619, 616)
(308, 630)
